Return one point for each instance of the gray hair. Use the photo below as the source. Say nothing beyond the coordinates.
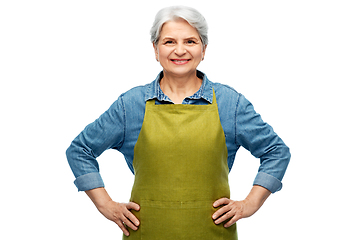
(191, 15)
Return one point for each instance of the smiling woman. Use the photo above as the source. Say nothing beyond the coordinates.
(179, 135)
(179, 51)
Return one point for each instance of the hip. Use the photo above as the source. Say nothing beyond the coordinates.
(176, 220)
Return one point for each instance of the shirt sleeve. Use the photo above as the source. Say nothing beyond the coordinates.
(104, 133)
(260, 139)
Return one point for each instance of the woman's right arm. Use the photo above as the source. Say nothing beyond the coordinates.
(119, 213)
(104, 133)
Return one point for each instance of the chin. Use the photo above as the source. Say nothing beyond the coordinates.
(181, 73)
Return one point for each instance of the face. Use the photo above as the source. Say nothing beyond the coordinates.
(179, 49)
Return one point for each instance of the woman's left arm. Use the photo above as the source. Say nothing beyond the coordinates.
(235, 210)
(260, 139)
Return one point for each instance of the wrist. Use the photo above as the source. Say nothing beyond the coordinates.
(257, 196)
(99, 197)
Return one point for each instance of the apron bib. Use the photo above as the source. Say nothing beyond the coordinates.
(180, 163)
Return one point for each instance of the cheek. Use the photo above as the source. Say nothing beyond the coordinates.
(199, 55)
(163, 52)
(199, 52)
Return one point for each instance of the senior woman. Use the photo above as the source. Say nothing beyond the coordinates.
(179, 135)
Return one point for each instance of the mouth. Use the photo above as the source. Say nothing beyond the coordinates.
(180, 61)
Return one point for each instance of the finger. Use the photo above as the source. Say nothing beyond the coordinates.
(131, 220)
(129, 224)
(232, 221)
(122, 227)
(221, 211)
(129, 215)
(224, 217)
(132, 205)
(221, 201)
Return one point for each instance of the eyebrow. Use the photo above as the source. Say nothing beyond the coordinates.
(192, 38)
(168, 38)
(188, 38)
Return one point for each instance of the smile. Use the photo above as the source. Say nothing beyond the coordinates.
(180, 61)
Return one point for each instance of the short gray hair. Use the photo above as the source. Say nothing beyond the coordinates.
(191, 15)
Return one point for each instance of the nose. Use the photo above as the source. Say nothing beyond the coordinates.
(180, 49)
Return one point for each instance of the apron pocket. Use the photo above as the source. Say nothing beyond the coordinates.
(181, 220)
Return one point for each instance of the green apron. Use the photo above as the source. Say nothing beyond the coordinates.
(180, 163)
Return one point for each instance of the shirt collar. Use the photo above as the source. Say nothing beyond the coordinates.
(205, 92)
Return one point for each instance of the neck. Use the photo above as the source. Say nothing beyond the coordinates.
(178, 88)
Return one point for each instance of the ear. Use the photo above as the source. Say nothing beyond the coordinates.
(203, 52)
(156, 52)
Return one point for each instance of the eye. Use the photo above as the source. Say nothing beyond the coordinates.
(190, 42)
(168, 42)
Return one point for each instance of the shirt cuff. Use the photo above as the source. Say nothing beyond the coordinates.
(89, 181)
(267, 181)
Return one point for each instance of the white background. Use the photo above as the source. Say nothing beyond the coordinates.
(62, 63)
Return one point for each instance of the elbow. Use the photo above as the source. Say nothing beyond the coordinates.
(287, 154)
(275, 162)
(72, 156)
(69, 155)
(68, 152)
(285, 160)
(284, 157)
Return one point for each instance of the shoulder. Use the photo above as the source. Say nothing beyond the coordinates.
(230, 99)
(224, 88)
(136, 94)
(225, 93)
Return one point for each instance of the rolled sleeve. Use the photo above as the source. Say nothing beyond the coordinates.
(267, 181)
(89, 181)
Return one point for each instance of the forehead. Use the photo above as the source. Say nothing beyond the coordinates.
(178, 29)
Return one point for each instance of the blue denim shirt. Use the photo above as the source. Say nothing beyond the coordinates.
(119, 127)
